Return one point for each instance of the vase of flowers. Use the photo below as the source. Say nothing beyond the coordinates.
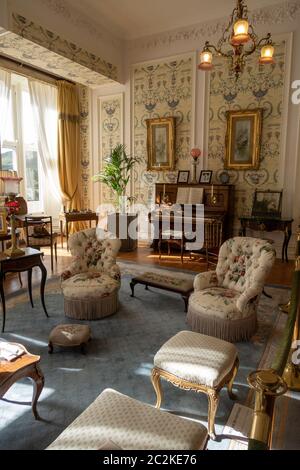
(13, 207)
(195, 154)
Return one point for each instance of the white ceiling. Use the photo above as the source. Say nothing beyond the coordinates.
(130, 19)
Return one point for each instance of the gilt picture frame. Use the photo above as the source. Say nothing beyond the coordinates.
(161, 144)
(243, 139)
(3, 223)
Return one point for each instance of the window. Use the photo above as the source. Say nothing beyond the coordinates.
(20, 146)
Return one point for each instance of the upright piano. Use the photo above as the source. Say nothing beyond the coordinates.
(218, 201)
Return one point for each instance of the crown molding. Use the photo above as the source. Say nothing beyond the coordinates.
(62, 9)
(274, 14)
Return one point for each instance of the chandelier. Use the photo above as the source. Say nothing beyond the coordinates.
(242, 40)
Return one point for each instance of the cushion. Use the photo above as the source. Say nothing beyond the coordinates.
(129, 424)
(220, 303)
(89, 285)
(197, 358)
(181, 284)
(70, 335)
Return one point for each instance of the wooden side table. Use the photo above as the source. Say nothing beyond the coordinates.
(268, 224)
(23, 366)
(25, 262)
(68, 217)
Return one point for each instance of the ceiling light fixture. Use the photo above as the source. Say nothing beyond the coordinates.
(242, 40)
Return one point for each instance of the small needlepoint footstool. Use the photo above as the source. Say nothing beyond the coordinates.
(69, 336)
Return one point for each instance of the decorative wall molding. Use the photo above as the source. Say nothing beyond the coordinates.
(111, 133)
(275, 14)
(162, 88)
(85, 130)
(93, 29)
(52, 41)
(261, 87)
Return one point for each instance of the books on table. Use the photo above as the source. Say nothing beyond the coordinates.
(10, 352)
(189, 195)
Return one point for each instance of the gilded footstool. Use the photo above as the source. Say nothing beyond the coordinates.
(69, 336)
(197, 362)
(115, 421)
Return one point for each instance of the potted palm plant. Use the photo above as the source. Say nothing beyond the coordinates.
(116, 173)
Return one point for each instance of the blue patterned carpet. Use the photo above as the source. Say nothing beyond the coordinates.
(119, 356)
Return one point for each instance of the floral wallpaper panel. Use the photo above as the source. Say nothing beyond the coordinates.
(85, 163)
(110, 134)
(162, 88)
(258, 87)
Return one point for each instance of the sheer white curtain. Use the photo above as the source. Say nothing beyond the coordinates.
(44, 105)
(5, 92)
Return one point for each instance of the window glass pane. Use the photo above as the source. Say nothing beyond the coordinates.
(32, 175)
(8, 159)
(8, 132)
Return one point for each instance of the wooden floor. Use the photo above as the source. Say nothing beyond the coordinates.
(281, 273)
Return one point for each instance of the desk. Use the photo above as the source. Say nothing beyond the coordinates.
(266, 224)
(24, 366)
(68, 217)
(25, 262)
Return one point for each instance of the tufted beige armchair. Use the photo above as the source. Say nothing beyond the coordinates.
(224, 301)
(90, 285)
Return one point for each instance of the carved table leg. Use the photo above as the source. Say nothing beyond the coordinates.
(43, 282)
(3, 300)
(288, 235)
(29, 277)
(38, 384)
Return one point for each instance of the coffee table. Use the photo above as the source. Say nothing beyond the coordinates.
(180, 285)
(23, 366)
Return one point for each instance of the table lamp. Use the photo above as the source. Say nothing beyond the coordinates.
(12, 189)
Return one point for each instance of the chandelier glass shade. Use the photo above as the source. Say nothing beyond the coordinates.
(237, 43)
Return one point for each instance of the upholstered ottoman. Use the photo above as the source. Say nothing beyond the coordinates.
(130, 425)
(193, 361)
(69, 336)
(90, 295)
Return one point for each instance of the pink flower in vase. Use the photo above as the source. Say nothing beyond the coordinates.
(195, 153)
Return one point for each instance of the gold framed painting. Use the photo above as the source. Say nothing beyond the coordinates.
(243, 139)
(161, 143)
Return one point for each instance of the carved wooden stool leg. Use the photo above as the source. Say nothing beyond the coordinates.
(155, 379)
(213, 401)
(230, 383)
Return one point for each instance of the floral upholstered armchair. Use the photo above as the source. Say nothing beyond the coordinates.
(224, 301)
(90, 285)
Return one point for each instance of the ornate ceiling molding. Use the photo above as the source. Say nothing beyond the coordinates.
(27, 52)
(64, 50)
(280, 13)
(93, 29)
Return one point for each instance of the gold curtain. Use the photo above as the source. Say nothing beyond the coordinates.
(69, 147)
